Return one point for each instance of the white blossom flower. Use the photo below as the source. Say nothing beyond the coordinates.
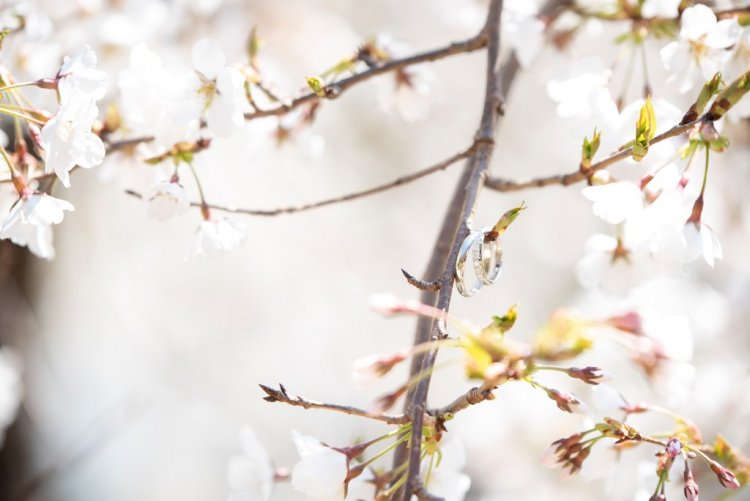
(158, 101)
(614, 202)
(68, 141)
(700, 240)
(523, 29)
(29, 223)
(700, 50)
(737, 65)
(250, 475)
(11, 389)
(166, 200)
(447, 480)
(222, 86)
(38, 209)
(321, 472)
(216, 236)
(79, 77)
(583, 94)
(613, 266)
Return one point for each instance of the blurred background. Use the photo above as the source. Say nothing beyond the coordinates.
(140, 366)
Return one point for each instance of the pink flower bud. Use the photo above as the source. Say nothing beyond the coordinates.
(567, 402)
(590, 375)
(691, 487)
(674, 448)
(725, 476)
(630, 322)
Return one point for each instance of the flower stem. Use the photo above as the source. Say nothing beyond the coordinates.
(705, 172)
(205, 211)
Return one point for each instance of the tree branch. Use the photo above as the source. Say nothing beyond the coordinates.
(423, 285)
(454, 230)
(344, 198)
(335, 89)
(499, 184)
(281, 395)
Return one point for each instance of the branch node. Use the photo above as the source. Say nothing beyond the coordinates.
(423, 285)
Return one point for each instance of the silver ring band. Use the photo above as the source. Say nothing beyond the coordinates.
(466, 246)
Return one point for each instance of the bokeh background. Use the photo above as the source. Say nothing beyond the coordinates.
(140, 366)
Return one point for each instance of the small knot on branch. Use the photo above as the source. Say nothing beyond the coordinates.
(423, 285)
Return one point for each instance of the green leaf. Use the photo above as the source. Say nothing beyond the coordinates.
(507, 218)
(317, 85)
(729, 97)
(589, 149)
(645, 130)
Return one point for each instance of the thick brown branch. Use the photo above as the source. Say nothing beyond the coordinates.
(281, 395)
(499, 184)
(337, 88)
(454, 229)
(422, 285)
(344, 198)
(474, 396)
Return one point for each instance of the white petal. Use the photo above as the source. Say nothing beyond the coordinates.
(696, 21)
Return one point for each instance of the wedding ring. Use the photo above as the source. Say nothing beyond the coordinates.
(466, 246)
(487, 257)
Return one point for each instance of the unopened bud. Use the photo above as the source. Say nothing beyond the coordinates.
(590, 375)
(367, 370)
(691, 487)
(567, 402)
(674, 447)
(630, 322)
(725, 476)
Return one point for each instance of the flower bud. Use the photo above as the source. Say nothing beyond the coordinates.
(725, 476)
(674, 448)
(590, 375)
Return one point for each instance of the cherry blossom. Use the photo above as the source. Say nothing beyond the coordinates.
(79, 77)
(613, 265)
(700, 50)
(250, 475)
(447, 480)
(29, 222)
(523, 29)
(215, 236)
(11, 389)
(221, 86)
(157, 100)
(321, 471)
(614, 202)
(68, 141)
(166, 200)
(700, 241)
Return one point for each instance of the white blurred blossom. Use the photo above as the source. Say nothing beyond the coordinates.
(11, 389)
(67, 139)
(251, 475)
(660, 8)
(613, 266)
(321, 471)
(614, 202)
(700, 50)
(221, 86)
(216, 236)
(80, 78)
(166, 200)
(29, 222)
(448, 481)
(523, 29)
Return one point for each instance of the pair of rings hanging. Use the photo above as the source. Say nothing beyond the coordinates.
(486, 256)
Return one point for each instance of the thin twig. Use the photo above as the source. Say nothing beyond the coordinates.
(281, 395)
(499, 184)
(344, 198)
(337, 88)
(423, 285)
